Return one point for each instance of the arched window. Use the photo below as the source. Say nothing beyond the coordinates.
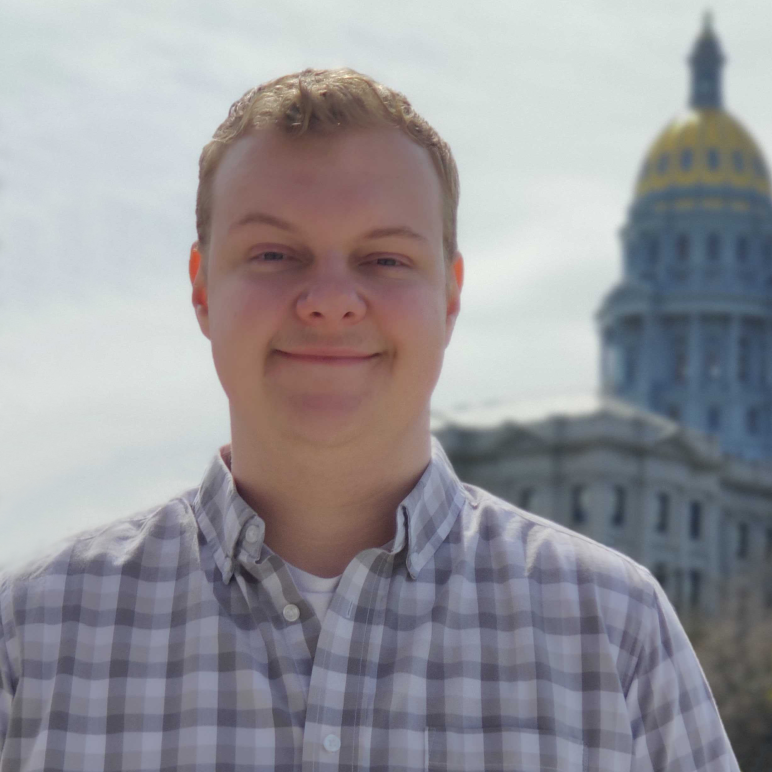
(714, 418)
(712, 360)
(629, 365)
(686, 159)
(682, 248)
(578, 514)
(766, 251)
(695, 520)
(752, 421)
(744, 359)
(680, 359)
(663, 512)
(652, 250)
(714, 159)
(742, 541)
(714, 247)
(741, 249)
(620, 502)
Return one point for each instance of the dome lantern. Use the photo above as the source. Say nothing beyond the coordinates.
(706, 62)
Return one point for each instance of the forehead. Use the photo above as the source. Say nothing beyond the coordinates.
(363, 173)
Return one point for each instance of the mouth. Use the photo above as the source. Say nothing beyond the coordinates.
(326, 356)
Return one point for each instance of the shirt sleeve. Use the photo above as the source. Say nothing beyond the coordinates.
(674, 719)
(5, 679)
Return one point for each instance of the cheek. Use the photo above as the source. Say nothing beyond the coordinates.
(417, 317)
(240, 322)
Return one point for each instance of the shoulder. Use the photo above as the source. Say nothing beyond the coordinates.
(124, 545)
(554, 549)
(584, 579)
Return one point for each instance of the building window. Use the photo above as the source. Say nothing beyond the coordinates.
(742, 541)
(743, 359)
(629, 362)
(766, 252)
(752, 421)
(652, 250)
(526, 496)
(686, 159)
(682, 248)
(714, 247)
(660, 574)
(695, 520)
(741, 249)
(620, 501)
(663, 512)
(712, 361)
(680, 359)
(695, 587)
(714, 418)
(768, 544)
(578, 515)
(737, 160)
(663, 162)
(714, 159)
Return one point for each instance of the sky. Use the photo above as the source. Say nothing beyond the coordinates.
(109, 403)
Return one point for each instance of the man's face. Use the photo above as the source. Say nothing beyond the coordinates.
(326, 295)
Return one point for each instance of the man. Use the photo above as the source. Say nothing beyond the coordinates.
(331, 597)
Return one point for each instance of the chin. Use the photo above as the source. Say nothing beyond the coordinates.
(328, 420)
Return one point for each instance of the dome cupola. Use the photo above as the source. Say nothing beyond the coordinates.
(688, 330)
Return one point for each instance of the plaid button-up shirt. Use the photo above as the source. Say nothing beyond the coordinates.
(483, 638)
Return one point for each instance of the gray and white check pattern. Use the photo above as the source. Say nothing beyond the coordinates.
(485, 639)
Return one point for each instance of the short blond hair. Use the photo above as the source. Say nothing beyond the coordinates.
(319, 102)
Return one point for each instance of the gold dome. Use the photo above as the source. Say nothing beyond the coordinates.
(705, 147)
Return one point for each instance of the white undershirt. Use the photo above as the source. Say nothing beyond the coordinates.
(317, 590)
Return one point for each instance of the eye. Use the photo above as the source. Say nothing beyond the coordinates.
(388, 262)
(270, 256)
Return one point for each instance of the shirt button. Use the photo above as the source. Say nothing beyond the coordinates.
(252, 534)
(292, 614)
(332, 743)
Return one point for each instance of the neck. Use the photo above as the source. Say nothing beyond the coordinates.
(324, 505)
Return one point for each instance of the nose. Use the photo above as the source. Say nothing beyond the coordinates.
(331, 297)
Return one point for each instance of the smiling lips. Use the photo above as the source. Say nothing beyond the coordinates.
(329, 356)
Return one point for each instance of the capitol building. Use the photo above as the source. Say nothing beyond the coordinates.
(672, 462)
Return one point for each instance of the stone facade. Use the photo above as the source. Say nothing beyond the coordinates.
(700, 520)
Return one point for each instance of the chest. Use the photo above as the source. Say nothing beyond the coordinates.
(423, 683)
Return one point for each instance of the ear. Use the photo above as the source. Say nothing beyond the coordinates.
(455, 281)
(197, 272)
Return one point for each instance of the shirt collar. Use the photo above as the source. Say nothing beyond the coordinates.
(424, 517)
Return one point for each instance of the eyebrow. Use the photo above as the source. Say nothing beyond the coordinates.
(397, 230)
(262, 218)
